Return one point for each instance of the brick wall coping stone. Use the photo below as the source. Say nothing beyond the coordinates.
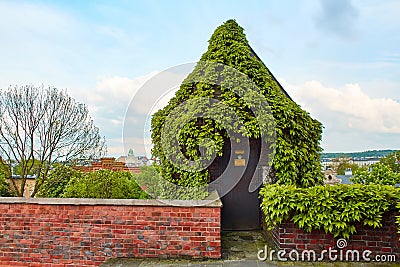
(212, 200)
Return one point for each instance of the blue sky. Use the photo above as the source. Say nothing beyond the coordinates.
(340, 60)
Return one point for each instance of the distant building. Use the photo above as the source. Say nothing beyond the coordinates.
(330, 177)
(29, 184)
(107, 164)
(348, 172)
(364, 162)
(133, 161)
(345, 179)
(326, 163)
(330, 163)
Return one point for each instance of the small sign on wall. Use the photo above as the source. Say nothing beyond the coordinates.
(239, 152)
(240, 162)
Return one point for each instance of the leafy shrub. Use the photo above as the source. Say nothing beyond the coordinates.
(334, 209)
(393, 161)
(398, 217)
(150, 180)
(104, 184)
(57, 180)
(380, 174)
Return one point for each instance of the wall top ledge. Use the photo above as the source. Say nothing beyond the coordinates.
(212, 200)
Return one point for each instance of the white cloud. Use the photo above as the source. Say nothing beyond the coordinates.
(117, 89)
(117, 105)
(110, 98)
(141, 146)
(116, 122)
(360, 111)
(345, 112)
(108, 102)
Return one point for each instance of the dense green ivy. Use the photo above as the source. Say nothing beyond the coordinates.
(398, 217)
(334, 209)
(297, 150)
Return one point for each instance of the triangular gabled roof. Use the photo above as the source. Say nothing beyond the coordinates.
(280, 86)
(297, 149)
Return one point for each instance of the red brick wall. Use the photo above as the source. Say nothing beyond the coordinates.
(73, 232)
(380, 241)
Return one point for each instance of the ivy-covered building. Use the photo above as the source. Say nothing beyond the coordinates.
(293, 157)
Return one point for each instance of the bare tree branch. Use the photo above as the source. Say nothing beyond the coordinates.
(39, 126)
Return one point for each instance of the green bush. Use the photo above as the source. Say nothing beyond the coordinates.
(104, 184)
(150, 180)
(334, 209)
(393, 161)
(380, 174)
(398, 217)
(57, 180)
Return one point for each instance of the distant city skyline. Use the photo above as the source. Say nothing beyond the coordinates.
(339, 60)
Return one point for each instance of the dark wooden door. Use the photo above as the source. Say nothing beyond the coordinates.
(241, 208)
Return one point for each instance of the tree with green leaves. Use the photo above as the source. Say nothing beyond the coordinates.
(297, 150)
(378, 173)
(392, 160)
(343, 164)
(57, 180)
